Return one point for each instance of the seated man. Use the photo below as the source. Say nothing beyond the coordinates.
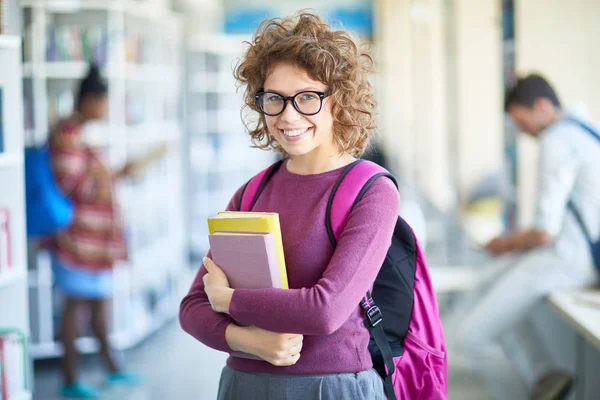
(551, 256)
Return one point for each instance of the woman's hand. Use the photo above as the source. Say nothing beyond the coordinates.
(216, 286)
(278, 349)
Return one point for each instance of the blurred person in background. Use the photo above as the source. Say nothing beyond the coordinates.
(552, 255)
(83, 255)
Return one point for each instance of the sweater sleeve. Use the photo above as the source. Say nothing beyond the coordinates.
(323, 308)
(196, 315)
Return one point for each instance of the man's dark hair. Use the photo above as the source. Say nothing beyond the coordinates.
(528, 89)
(93, 84)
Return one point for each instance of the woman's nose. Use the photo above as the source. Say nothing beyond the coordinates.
(290, 113)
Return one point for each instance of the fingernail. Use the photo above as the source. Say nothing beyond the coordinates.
(204, 260)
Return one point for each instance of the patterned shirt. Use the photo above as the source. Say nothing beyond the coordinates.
(95, 239)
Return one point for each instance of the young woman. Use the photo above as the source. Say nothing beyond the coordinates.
(83, 255)
(309, 84)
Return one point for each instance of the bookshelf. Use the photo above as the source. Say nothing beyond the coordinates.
(219, 157)
(16, 365)
(139, 50)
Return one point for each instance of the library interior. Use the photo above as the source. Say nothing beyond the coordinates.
(132, 135)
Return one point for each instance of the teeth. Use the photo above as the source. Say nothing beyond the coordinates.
(294, 132)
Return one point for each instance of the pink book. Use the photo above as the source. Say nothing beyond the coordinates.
(247, 258)
(249, 261)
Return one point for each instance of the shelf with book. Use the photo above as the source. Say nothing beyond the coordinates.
(15, 365)
(140, 55)
(10, 22)
(219, 157)
(131, 8)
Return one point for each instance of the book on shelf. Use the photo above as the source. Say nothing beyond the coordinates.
(76, 43)
(3, 16)
(10, 17)
(13, 363)
(5, 245)
(73, 43)
(253, 222)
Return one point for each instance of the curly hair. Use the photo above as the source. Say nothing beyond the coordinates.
(328, 56)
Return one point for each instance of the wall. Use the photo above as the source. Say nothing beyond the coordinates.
(559, 40)
(441, 92)
(479, 93)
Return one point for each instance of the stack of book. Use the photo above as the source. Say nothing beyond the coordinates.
(248, 247)
(13, 365)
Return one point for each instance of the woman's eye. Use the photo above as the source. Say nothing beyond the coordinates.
(308, 97)
(274, 97)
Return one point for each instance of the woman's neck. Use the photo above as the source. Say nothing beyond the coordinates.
(316, 164)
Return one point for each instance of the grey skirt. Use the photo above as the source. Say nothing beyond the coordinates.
(238, 385)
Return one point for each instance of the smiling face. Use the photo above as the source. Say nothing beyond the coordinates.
(300, 135)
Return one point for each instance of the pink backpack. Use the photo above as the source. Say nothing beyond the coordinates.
(407, 341)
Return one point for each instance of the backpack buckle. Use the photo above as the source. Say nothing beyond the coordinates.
(374, 315)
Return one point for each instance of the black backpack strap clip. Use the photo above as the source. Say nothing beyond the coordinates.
(372, 312)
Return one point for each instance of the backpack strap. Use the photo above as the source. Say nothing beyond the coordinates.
(375, 328)
(256, 185)
(571, 206)
(346, 193)
(585, 127)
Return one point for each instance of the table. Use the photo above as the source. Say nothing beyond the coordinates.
(584, 317)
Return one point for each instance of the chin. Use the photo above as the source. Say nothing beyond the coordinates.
(297, 152)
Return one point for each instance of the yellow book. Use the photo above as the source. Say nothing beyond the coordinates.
(238, 221)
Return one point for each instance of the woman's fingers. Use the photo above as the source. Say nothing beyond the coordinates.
(295, 349)
(295, 339)
(208, 264)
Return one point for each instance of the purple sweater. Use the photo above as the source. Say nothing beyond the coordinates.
(325, 286)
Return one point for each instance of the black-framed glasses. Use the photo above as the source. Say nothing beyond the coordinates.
(306, 103)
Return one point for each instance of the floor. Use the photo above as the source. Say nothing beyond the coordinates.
(175, 366)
